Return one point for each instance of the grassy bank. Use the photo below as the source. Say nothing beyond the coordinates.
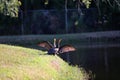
(90, 52)
(18, 63)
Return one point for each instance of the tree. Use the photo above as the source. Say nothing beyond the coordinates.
(9, 22)
(9, 7)
(109, 12)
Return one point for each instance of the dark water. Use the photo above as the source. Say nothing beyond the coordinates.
(103, 62)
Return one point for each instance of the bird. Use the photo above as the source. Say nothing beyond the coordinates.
(54, 49)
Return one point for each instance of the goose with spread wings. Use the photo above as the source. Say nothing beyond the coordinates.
(56, 48)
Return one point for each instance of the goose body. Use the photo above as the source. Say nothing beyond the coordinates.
(53, 51)
(56, 49)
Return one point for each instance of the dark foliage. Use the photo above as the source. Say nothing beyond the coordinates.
(9, 25)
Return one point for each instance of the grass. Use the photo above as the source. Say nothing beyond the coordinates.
(18, 63)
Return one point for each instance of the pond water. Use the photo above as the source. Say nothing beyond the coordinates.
(103, 61)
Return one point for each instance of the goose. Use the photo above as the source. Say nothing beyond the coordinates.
(56, 48)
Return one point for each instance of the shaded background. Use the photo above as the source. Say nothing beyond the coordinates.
(95, 35)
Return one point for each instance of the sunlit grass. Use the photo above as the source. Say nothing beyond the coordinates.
(18, 63)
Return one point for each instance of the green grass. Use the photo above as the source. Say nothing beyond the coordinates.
(18, 63)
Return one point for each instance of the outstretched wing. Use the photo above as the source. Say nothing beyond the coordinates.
(45, 44)
(66, 48)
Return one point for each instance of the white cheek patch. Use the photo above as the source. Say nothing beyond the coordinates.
(56, 49)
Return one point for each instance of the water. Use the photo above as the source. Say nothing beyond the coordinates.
(101, 56)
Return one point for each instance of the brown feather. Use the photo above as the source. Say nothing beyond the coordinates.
(45, 44)
(66, 48)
